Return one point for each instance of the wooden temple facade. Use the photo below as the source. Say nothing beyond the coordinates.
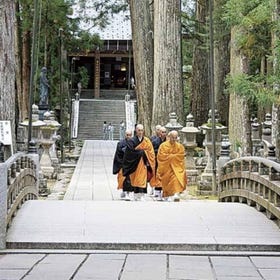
(110, 70)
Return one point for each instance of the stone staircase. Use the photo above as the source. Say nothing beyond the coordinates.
(93, 113)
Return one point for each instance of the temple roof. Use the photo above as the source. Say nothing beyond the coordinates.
(118, 29)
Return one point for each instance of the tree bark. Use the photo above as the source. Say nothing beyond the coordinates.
(7, 63)
(276, 70)
(25, 70)
(142, 39)
(221, 61)
(168, 90)
(200, 88)
(239, 113)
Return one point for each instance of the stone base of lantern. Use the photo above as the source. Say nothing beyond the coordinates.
(48, 172)
(192, 176)
(56, 166)
(43, 185)
(205, 185)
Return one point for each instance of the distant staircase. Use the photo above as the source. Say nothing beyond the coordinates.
(93, 113)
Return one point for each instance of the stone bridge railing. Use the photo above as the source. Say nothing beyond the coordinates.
(18, 183)
(252, 180)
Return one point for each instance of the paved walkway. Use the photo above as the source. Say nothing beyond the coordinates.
(122, 266)
(93, 178)
(192, 225)
(139, 240)
(89, 219)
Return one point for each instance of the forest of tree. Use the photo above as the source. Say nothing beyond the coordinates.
(246, 57)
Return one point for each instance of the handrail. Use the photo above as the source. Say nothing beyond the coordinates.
(18, 183)
(253, 180)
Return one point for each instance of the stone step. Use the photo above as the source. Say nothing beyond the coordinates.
(171, 247)
(93, 113)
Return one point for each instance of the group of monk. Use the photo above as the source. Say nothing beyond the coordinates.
(158, 160)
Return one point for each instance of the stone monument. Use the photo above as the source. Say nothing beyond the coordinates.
(44, 93)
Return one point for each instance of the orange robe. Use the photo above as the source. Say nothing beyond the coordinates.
(139, 177)
(171, 168)
(120, 179)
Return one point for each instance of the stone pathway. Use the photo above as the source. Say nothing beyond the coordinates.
(135, 266)
(93, 178)
(108, 239)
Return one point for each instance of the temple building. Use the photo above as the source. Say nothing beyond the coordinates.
(110, 67)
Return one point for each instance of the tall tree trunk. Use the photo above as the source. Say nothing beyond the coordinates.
(200, 89)
(7, 63)
(21, 100)
(239, 115)
(221, 61)
(142, 39)
(276, 69)
(26, 47)
(168, 90)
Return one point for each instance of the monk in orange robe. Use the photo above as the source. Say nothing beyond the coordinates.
(139, 160)
(171, 166)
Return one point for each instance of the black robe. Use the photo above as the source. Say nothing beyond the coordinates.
(118, 158)
(131, 156)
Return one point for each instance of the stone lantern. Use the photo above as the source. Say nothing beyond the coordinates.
(189, 141)
(48, 132)
(36, 125)
(225, 152)
(173, 123)
(256, 139)
(205, 183)
(266, 128)
(56, 137)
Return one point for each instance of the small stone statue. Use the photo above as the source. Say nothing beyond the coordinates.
(44, 87)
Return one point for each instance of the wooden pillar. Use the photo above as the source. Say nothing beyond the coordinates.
(97, 75)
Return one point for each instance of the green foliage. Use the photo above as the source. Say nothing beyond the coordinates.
(84, 42)
(253, 20)
(240, 12)
(83, 76)
(254, 88)
(253, 25)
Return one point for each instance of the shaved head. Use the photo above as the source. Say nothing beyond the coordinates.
(173, 136)
(139, 130)
(128, 133)
(140, 127)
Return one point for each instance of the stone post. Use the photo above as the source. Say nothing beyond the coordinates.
(225, 153)
(256, 139)
(189, 142)
(1, 152)
(3, 204)
(266, 128)
(55, 137)
(205, 184)
(48, 131)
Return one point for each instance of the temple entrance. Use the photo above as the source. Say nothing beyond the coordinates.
(114, 73)
(109, 71)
